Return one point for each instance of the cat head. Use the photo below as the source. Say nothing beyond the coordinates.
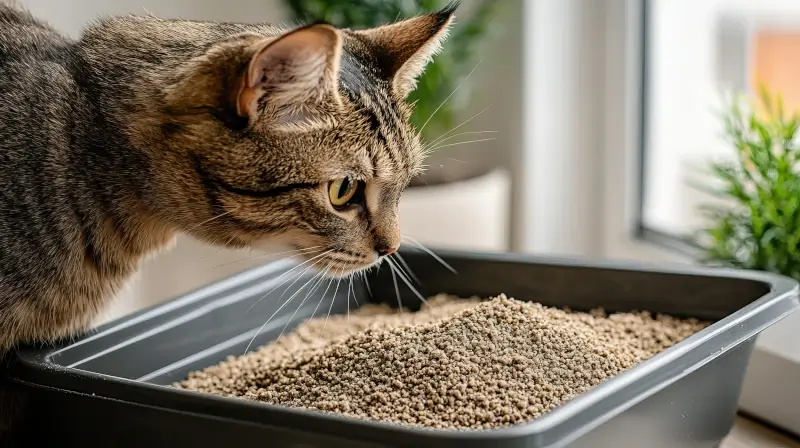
(303, 137)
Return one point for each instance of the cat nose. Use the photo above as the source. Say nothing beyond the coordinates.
(384, 249)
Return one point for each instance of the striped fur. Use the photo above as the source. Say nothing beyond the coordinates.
(144, 128)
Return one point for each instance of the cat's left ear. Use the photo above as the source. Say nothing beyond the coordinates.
(291, 73)
(406, 47)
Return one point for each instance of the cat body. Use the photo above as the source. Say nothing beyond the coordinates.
(239, 135)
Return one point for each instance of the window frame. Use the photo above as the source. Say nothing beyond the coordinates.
(751, 22)
(666, 241)
(626, 133)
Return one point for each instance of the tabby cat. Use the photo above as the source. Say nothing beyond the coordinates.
(236, 134)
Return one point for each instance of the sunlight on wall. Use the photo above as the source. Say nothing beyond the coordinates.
(776, 64)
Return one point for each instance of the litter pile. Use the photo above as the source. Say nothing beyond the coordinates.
(456, 363)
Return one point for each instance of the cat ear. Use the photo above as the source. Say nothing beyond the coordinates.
(406, 47)
(289, 73)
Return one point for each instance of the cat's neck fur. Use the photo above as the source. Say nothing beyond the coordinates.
(126, 63)
(63, 105)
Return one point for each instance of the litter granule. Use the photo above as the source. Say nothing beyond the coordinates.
(456, 363)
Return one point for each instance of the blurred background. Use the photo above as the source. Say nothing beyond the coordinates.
(583, 128)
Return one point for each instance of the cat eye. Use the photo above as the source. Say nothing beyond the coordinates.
(341, 191)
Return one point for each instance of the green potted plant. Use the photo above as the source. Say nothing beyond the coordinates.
(756, 224)
(444, 87)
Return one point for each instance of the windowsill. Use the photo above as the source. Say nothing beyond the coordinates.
(783, 340)
(666, 241)
(771, 389)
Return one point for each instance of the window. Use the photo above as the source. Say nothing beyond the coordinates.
(695, 54)
(620, 110)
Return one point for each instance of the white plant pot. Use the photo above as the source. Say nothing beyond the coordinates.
(472, 214)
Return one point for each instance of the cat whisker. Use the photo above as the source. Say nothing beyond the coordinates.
(297, 278)
(396, 289)
(229, 240)
(330, 282)
(443, 139)
(215, 252)
(286, 279)
(294, 252)
(405, 280)
(333, 300)
(429, 252)
(355, 297)
(462, 124)
(280, 307)
(320, 276)
(407, 267)
(273, 315)
(448, 97)
(212, 219)
(462, 143)
(349, 288)
(366, 284)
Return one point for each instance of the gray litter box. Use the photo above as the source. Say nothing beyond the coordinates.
(108, 388)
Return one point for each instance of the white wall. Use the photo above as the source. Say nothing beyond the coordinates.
(562, 145)
(71, 16)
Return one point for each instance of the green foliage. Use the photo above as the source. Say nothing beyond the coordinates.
(759, 227)
(448, 69)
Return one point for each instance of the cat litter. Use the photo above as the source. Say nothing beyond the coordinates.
(456, 363)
